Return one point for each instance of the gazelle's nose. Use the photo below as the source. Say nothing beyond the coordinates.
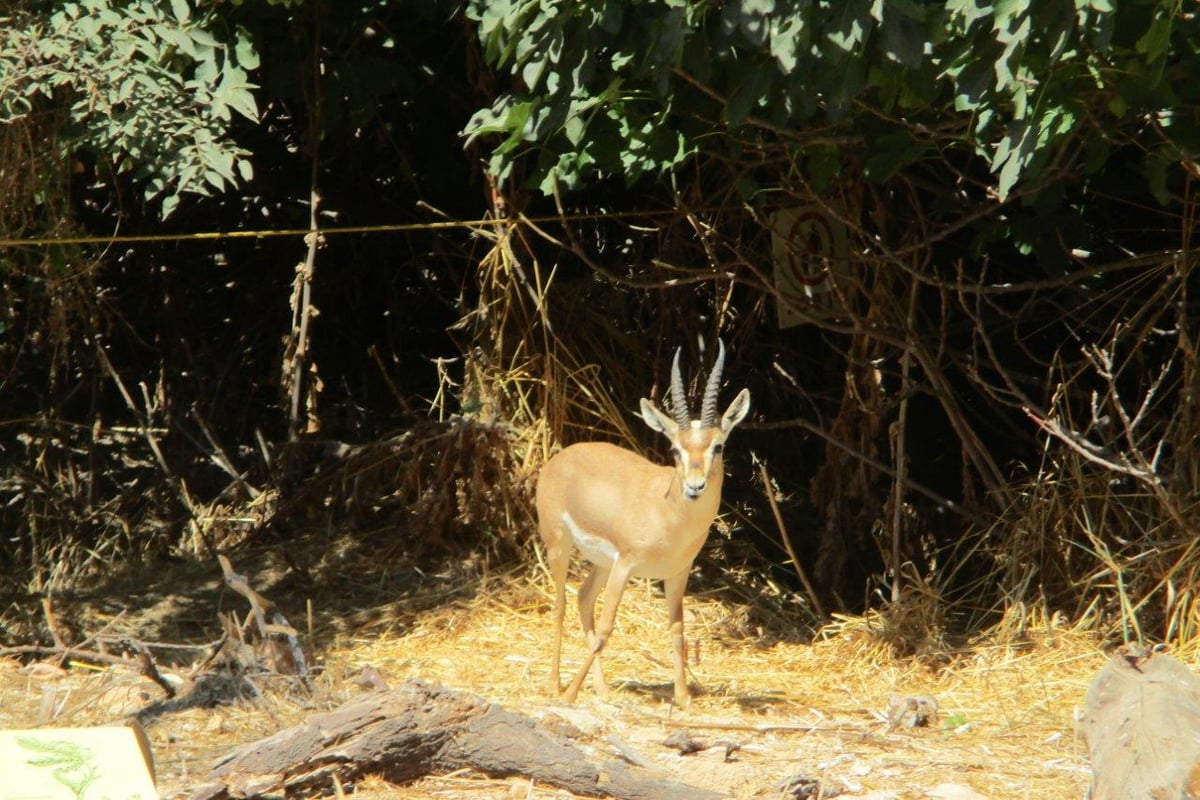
(693, 489)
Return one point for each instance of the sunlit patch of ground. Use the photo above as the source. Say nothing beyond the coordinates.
(817, 710)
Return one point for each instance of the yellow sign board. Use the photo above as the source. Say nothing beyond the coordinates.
(76, 764)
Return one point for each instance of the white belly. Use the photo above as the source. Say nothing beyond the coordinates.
(595, 549)
(604, 553)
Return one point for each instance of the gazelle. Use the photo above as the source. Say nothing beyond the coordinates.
(629, 516)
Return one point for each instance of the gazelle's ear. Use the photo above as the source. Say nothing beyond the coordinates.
(657, 420)
(737, 411)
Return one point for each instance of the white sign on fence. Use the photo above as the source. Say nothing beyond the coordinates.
(810, 249)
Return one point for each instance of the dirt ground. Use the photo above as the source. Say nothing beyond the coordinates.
(786, 711)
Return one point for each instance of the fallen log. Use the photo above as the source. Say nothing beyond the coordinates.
(419, 729)
(1141, 720)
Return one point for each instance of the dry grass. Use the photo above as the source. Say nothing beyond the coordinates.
(1006, 727)
(816, 709)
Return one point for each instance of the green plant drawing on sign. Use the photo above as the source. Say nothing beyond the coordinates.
(72, 763)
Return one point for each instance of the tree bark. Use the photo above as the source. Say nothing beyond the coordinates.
(1142, 725)
(418, 729)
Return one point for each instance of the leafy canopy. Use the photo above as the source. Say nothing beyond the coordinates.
(150, 87)
(613, 87)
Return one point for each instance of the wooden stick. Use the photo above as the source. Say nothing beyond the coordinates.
(66, 654)
(52, 623)
(267, 615)
(148, 668)
(787, 543)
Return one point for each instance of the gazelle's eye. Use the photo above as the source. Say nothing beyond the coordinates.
(718, 448)
(678, 453)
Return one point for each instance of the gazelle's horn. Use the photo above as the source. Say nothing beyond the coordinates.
(708, 409)
(679, 408)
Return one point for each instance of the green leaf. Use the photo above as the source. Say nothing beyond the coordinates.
(532, 72)
(169, 204)
(967, 12)
(785, 42)
(1011, 156)
(180, 40)
(516, 122)
(891, 153)
(574, 129)
(1153, 43)
(1008, 65)
(243, 102)
(849, 28)
(843, 86)
(761, 7)
(748, 90)
(487, 121)
(207, 72)
(1008, 11)
(903, 40)
(247, 56)
(1156, 169)
(823, 164)
(748, 19)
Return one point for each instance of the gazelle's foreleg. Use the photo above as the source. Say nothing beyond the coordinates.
(597, 577)
(673, 588)
(614, 587)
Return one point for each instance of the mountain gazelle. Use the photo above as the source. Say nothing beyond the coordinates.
(631, 517)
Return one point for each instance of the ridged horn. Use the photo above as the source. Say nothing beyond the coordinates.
(708, 409)
(679, 408)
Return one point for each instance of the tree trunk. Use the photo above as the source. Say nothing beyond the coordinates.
(417, 729)
(1142, 725)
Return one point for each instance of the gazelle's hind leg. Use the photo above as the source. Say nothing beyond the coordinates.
(596, 577)
(558, 558)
